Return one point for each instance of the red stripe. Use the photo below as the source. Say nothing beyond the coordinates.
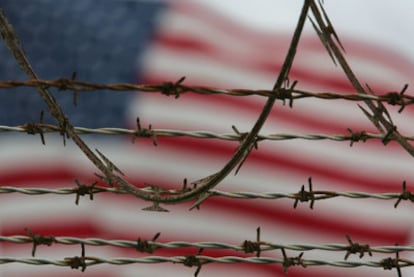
(79, 227)
(47, 176)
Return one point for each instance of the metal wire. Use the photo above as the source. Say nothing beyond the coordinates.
(319, 195)
(177, 88)
(205, 259)
(265, 246)
(47, 128)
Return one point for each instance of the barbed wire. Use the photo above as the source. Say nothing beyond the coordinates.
(198, 260)
(300, 196)
(32, 128)
(112, 175)
(177, 88)
(154, 245)
(205, 259)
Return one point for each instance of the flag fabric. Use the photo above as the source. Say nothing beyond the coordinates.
(211, 43)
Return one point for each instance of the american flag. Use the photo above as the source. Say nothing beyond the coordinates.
(232, 45)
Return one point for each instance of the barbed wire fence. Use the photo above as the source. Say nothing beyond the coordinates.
(204, 188)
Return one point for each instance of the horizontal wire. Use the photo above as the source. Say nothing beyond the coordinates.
(154, 245)
(203, 259)
(177, 88)
(319, 195)
(47, 128)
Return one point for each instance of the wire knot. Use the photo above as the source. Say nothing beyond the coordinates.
(390, 263)
(78, 262)
(145, 133)
(354, 248)
(305, 196)
(145, 246)
(397, 98)
(170, 88)
(357, 136)
(39, 239)
(253, 246)
(193, 260)
(63, 84)
(291, 261)
(83, 190)
(405, 195)
(286, 93)
(35, 128)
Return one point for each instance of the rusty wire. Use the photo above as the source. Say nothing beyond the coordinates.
(177, 89)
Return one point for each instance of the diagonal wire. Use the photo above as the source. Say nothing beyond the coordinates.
(380, 116)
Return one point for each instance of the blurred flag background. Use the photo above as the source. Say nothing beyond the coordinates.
(225, 44)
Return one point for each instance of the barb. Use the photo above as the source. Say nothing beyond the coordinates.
(194, 260)
(172, 88)
(34, 128)
(291, 261)
(390, 263)
(253, 246)
(393, 98)
(142, 132)
(76, 262)
(405, 195)
(146, 246)
(354, 248)
(358, 136)
(305, 196)
(83, 190)
(39, 240)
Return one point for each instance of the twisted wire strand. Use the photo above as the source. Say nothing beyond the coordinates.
(265, 246)
(319, 195)
(47, 128)
(177, 88)
(205, 259)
